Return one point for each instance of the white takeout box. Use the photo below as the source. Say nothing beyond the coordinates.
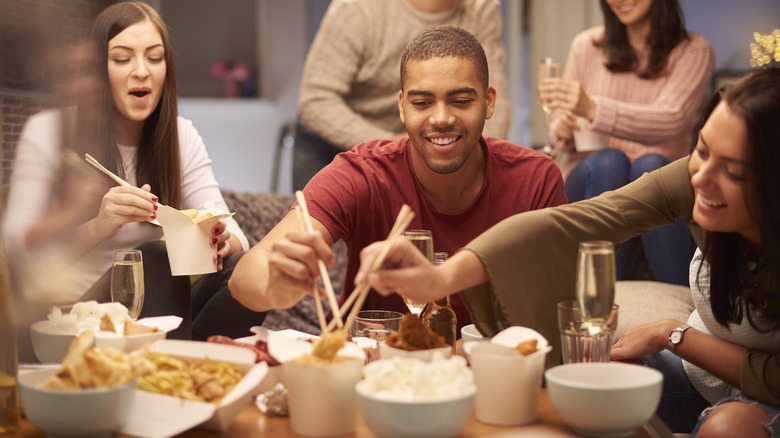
(190, 251)
(508, 382)
(586, 139)
(321, 396)
(130, 343)
(161, 416)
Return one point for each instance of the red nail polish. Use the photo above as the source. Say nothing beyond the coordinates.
(154, 216)
(155, 208)
(213, 240)
(219, 256)
(154, 199)
(216, 230)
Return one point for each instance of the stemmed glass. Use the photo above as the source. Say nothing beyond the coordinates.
(127, 280)
(595, 283)
(423, 240)
(547, 69)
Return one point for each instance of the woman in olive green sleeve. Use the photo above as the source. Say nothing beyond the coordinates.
(516, 272)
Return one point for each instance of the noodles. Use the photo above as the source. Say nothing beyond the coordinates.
(204, 382)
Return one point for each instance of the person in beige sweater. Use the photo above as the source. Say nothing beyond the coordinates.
(639, 80)
(349, 90)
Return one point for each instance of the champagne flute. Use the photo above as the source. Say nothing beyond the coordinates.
(547, 69)
(423, 240)
(127, 280)
(595, 283)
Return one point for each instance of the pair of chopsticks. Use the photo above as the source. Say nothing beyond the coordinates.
(304, 221)
(358, 296)
(100, 167)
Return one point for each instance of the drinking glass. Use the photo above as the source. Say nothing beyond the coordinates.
(547, 69)
(578, 343)
(595, 284)
(423, 240)
(127, 280)
(376, 325)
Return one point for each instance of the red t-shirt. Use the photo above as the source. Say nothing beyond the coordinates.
(358, 196)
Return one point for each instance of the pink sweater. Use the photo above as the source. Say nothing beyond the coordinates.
(642, 116)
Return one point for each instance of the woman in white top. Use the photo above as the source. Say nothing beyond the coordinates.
(129, 123)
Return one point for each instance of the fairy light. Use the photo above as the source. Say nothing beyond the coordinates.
(765, 49)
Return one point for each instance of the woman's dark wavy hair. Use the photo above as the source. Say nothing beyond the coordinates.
(158, 158)
(667, 29)
(756, 100)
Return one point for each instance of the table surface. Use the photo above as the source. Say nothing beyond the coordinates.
(251, 423)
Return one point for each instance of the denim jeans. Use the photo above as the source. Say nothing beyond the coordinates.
(680, 403)
(668, 248)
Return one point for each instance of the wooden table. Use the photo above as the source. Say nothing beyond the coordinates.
(250, 423)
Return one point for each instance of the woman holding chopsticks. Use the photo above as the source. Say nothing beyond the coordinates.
(129, 123)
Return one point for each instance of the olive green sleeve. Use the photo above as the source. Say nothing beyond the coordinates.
(530, 258)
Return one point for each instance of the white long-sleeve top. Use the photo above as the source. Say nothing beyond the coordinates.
(33, 179)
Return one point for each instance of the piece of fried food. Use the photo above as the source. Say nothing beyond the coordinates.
(526, 347)
(106, 324)
(414, 335)
(196, 216)
(132, 328)
(327, 346)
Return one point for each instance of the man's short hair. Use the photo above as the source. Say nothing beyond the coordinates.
(444, 41)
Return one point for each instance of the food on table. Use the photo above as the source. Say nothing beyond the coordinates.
(132, 328)
(527, 347)
(85, 367)
(413, 335)
(106, 324)
(412, 379)
(83, 316)
(196, 216)
(260, 348)
(328, 345)
(204, 382)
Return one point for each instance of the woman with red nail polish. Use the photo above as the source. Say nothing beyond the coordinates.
(126, 117)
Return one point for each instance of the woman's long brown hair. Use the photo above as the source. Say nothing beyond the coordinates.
(667, 29)
(158, 159)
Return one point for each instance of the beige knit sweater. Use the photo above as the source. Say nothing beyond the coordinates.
(642, 116)
(351, 79)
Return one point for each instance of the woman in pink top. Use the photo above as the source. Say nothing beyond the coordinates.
(639, 79)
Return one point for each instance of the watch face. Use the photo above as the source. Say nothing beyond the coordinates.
(675, 337)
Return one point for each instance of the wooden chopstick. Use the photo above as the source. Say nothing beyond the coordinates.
(360, 293)
(318, 303)
(100, 167)
(557, 149)
(334, 305)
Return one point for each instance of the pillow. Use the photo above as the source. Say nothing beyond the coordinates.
(647, 301)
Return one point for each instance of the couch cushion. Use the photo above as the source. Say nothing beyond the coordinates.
(647, 301)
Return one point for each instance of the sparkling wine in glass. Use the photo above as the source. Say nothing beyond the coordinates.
(548, 68)
(595, 283)
(423, 240)
(127, 280)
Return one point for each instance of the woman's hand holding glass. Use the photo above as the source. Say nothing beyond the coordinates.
(564, 94)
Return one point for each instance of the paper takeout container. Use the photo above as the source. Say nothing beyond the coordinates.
(508, 383)
(190, 251)
(160, 416)
(321, 396)
(586, 140)
(388, 352)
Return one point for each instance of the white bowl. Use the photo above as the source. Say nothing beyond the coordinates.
(391, 418)
(49, 346)
(387, 352)
(74, 413)
(604, 399)
(469, 333)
